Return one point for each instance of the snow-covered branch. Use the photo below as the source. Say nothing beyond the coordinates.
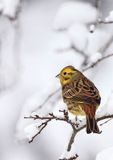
(71, 158)
(105, 21)
(75, 125)
(98, 60)
(100, 21)
(10, 8)
(49, 118)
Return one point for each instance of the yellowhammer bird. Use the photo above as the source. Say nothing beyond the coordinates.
(80, 95)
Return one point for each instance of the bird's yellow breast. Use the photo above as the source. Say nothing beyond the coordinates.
(76, 109)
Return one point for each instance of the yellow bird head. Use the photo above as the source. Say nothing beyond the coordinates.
(68, 74)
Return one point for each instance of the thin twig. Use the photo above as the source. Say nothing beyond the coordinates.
(95, 63)
(81, 52)
(42, 126)
(104, 22)
(105, 122)
(76, 128)
(98, 119)
(106, 46)
(49, 118)
(50, 95)
(97, 4)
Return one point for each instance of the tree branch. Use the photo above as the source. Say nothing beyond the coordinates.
(106, 46)
(97, 4)
(49, 118)
(71, 141)
(95, 63)
(76, 127)
(47, 99)
(104, 22)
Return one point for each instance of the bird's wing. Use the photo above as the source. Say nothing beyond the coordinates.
(71, 90)
(82, 90)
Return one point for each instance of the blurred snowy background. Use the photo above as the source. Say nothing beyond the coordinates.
(37, 39)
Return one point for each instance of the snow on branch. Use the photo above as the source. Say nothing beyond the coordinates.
(98, 60)
(10, 8)
(66, 23)
(70, 13)
(107, 20)
(49, 118)
(71, 158)
(75, 125)
(75, 24)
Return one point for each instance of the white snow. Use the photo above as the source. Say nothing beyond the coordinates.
(95, 57)
(32, 107)
(75, 31)
(66, 154)
(109, 104)
(74, 12)
(10, 7)
(9, 56)
(1, 6)
(78, 35)
(105, 154)
(94, 40)
(31, 130)
(92, 28)
(39, 65)
(110, 17)
(61, 42)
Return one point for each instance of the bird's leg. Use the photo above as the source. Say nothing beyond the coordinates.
(76, 121)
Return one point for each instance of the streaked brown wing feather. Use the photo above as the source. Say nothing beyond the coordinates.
(88, 88)
(82, 90)
(72, 92)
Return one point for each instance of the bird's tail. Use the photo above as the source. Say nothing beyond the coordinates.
(91, 125)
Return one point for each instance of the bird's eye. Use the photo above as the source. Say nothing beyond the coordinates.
(65, 73)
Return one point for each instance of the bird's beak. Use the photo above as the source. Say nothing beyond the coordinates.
(57, 75)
